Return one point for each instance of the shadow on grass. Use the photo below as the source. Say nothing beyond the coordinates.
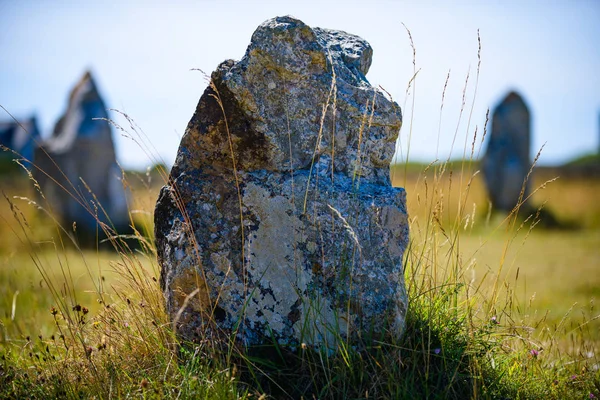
(436, 358)
(546, 219)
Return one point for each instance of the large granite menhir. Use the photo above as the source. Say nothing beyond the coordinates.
(80, 157)
(506, 162)
(279, 221)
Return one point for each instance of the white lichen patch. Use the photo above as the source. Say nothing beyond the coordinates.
(274, 265)
(273, 261)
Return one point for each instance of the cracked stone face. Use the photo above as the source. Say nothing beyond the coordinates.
(279, 221)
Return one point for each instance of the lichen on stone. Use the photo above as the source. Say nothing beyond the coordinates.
(303, 241)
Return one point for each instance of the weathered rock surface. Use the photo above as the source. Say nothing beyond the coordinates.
(280, 222)
(81, 149)
(506, 162)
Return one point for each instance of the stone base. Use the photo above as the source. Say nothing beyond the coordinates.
(309, 265)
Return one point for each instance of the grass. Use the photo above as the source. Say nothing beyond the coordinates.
(586, 159)
(539, 339)
(540, 263)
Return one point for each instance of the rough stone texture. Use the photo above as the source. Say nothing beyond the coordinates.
(20, 137)
(506, 162)
(302, 241)
(81, 148)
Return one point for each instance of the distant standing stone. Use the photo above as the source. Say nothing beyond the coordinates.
(20, 137)
(81, 150)
(506, 162)
(280, 221)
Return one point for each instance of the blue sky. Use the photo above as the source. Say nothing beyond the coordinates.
(142, 54)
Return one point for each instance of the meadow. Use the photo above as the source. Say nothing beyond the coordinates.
(501, 306)
(550, 274)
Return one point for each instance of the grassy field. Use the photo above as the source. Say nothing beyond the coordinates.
(525, 291)
(39, 262)
(548, 274)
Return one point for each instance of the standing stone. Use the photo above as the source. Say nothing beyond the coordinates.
(280, 221)
(19, 138)
(506, 162)
(80, 157)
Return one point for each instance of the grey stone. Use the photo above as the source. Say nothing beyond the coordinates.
(506, 162)
(279, 221)
(77, 167)
(20, 138)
